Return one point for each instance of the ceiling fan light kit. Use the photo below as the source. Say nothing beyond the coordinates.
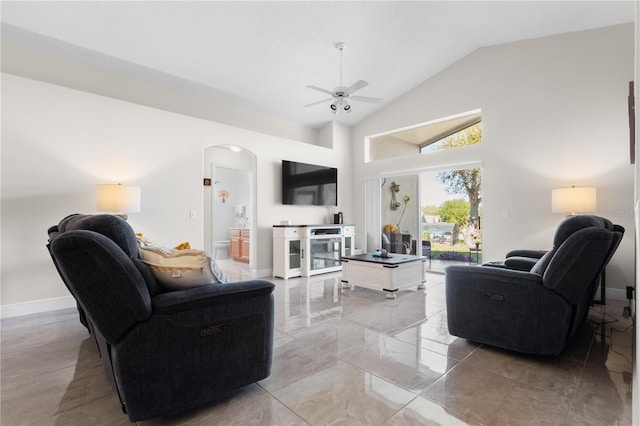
(340, 94)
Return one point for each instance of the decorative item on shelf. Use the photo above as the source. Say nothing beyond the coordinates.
(223, 194)
(239, 211)
(381, 253)
(394, 189)
(241, 219)
(337, 218)
(406, 201)
(573, 200)
(118, 199)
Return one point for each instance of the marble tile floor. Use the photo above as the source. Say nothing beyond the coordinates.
(343, 357)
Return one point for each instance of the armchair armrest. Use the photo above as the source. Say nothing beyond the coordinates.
(520, 263)
(535, 254)
(490, 275)
(523, 259)
(209, 295)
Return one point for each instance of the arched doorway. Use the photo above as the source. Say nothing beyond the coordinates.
(229, 200)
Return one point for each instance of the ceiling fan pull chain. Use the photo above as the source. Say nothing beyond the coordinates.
(341, 47)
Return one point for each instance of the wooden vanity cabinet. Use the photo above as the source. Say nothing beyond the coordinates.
(240, 244)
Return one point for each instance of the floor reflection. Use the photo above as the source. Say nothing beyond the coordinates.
(310, 301)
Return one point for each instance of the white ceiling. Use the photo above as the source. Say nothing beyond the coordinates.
(261, 55)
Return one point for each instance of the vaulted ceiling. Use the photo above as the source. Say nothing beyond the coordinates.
(261, 55)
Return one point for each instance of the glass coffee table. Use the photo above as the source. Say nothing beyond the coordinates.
(388, 274)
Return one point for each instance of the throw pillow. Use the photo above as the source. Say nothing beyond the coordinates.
(180, 269)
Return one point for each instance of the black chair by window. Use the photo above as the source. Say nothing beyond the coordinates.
(426, 249)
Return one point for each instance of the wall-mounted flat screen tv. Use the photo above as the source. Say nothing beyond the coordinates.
(309, 184)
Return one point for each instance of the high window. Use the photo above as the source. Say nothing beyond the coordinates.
(470, 135)
(444, 133)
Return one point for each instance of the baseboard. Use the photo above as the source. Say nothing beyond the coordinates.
(262, 273)
(614, 294)
(36, 306)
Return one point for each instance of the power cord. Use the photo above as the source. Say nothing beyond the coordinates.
(609, 335)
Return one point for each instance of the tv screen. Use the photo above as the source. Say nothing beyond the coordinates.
(308, 184)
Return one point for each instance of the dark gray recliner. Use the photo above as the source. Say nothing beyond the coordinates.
(539, 310)
(163, 352)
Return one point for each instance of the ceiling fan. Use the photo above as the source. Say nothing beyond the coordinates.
(340, 94)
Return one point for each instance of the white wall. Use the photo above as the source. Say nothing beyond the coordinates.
(388, 146)
(44, 59)
(553, 114)
(58, 143)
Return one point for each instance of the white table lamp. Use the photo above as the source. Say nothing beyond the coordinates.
(118, 199)
(573, 200)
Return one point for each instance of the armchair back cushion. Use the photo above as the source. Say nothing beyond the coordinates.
(576, 261)
(117, 230)
(105, 281)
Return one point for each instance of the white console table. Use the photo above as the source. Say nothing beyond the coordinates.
(307, 250)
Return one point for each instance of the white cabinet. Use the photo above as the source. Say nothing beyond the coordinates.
(307, 250)
(348, 240)
(287, 252)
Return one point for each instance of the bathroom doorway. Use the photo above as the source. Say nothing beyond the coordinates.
(229, 205)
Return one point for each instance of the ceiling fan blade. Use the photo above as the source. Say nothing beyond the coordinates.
(320, 89)
(356, 86)
(366, 99)
(318, 102)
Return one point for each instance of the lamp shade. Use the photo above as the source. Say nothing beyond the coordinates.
(118, 198)
(573, 200)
